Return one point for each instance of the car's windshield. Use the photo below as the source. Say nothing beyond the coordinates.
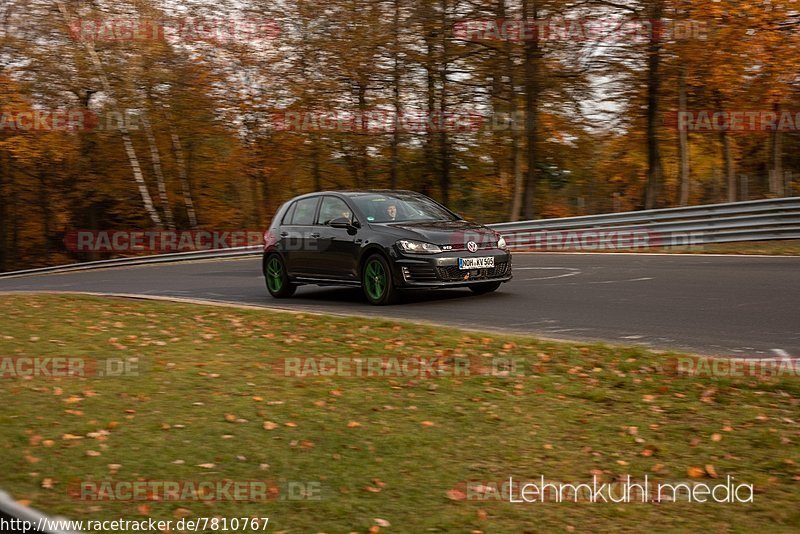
(383, 208)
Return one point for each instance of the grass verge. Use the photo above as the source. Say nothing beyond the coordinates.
(208, 404)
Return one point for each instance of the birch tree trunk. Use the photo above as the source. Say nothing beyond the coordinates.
(127, 142)
(183, 176)
(158, 172)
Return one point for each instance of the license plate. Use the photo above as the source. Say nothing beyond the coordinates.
(475, 263)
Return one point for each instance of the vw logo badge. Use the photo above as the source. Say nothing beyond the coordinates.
(472, 246)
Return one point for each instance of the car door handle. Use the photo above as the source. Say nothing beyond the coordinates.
(315, 235)
(284, 234)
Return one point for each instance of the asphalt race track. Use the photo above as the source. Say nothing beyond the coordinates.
(747, 306)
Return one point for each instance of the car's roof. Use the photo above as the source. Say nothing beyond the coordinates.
(361, 192)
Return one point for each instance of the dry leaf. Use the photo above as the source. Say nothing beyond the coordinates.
(269, 425)
(207, 466)
(353, 424)
(456, 495)
(711, 471)
(695, 472)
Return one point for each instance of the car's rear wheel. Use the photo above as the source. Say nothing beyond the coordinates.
(480, 289)
(376, 279)
(278, 283)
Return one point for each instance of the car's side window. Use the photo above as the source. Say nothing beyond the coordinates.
(287, 217)
(304, 211)
(333, 208)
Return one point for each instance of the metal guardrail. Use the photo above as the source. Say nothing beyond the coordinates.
(11, 510)
(757, 220)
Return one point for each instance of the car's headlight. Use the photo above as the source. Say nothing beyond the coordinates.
(418, 247)
(501, 243)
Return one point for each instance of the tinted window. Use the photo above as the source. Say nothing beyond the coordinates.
(287, 218)
(387, 208)
(333, 208)
(304, 211)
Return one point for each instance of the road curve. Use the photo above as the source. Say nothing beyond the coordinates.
(720, 305)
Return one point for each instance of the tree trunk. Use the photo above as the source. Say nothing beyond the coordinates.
(654, 169)
(776, 188)
(444, 138)
(183, 176)
(363, 154)
(728, 164)
(136, 168)
(683, 142)
(3, 225)
(158, 171)
(316, 171)
(398, 106)
(430, 149)
(532, 88)
(516, 140)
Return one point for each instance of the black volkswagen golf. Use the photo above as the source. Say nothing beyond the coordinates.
(382, 241)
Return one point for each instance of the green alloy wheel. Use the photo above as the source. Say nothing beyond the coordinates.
(278, 283)
(377, 281)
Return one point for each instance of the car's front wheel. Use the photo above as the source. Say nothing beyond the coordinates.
(376, 279)
(480, 289)
(278, 283)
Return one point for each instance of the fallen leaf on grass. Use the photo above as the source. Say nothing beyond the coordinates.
(269, 425)
(207, 466)
(695, 472)
(456, 495)
(353, 424)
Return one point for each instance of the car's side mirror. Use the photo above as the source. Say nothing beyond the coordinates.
(341, 222)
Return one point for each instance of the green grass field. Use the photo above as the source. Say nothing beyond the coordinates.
(385, 453)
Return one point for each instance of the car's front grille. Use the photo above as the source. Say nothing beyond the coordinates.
(454, 274)
(420, 273)
(484, 245)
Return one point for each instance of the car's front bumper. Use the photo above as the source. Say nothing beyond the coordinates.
(441, 270)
